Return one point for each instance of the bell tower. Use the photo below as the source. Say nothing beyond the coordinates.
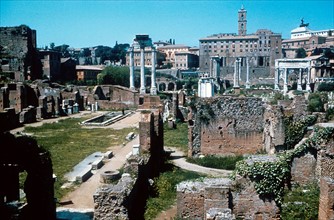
(242, 21)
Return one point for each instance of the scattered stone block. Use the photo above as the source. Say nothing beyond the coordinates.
(97, 164)
(136, 149)
(108, 155)
(84, 175)
(130, 136)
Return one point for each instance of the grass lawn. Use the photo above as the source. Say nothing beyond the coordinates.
(176, 137)
(69, 143)
(165, 187)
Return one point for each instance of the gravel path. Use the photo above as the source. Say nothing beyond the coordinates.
(179, 160)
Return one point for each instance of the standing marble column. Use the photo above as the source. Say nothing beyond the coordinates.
(247, 74)
(299, 83)
(308, 87)
(239, 68)
(153, 86)
(142, 71)
(285, 86)
(236, 74)
(277, 71)
(132, 68)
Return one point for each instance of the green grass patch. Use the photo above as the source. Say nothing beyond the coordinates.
(69, 143)
(302, 202)
(176, 137)
(225, 163)
(165, 187)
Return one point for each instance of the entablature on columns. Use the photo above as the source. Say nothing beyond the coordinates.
(293, 63)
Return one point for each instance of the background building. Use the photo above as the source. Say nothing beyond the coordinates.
(261, 48)
(303, 37)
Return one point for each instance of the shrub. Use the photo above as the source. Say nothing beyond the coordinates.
(165, 187)
(226, 163)
(329, 86)
(316, 102)
(301, 203)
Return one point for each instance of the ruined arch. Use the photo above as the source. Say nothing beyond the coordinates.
(23, 154)
(162, 86)
(171, 86)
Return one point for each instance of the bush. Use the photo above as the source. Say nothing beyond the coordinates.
(226, 163)
(326, 87)
(316, 102)
(301, 203)
(165, 187)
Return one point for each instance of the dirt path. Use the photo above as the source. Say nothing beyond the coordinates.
(82, 197)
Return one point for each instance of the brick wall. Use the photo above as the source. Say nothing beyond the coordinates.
(303, 169)
(197, 199)
(326, 201)
(226, 125)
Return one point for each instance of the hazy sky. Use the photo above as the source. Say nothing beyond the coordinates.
(83, 23)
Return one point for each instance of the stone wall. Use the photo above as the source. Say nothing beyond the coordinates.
(128, 201)
(326, 201)
(195, 199)
(247, 203)
(226, 125)
(274, 131)
(110, 200)
(238, 200)
(19, 50)
(303, 169)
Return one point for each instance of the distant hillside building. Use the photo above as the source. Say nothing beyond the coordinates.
(185, 60)
(303, 37)
(18, 52)
(180, 56)
(87, 73)
(261, 48)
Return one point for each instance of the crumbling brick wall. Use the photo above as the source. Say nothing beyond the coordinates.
(19, 49)
(326, 201)
(226, 125)
(247, 203)
(198, 199)
(128, 201)
(303, 169)
(274, 131)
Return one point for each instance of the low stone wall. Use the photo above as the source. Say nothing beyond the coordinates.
(195, 199)
(247, 203)
(110, 200)
(223, 199)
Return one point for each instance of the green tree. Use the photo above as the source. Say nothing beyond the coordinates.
(316, 102)
(300, 53)
(115, 75)
(52, 46)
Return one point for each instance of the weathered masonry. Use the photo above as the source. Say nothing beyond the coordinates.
(226, 125)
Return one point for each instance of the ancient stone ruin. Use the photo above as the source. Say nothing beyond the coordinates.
(226, 125)
(126, 198)
(22, 154)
